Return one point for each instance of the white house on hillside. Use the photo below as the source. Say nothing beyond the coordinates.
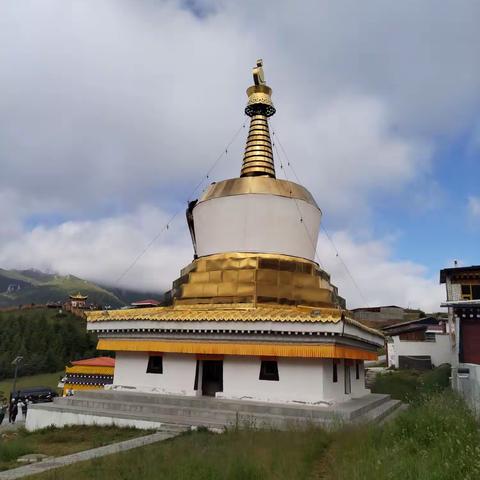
(421, 344)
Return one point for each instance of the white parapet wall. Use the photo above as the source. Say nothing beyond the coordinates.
(38, 418)
(466, 380)
(440, 350)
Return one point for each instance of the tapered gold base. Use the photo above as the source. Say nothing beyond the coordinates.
(254, 278)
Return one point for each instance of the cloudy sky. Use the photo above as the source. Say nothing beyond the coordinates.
(112, 112)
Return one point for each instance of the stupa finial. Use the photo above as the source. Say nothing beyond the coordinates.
(258, 158)
(258, 75)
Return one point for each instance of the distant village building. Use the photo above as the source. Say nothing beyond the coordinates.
(88, 374)
(384, 315)
(145, 303)
(463, 302)
(420, 344)
(77, 301)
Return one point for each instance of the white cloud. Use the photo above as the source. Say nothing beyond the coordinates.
(110, 106)
(133, 100)
(102, 250)
(347, 155)
(474, 206)
(381, 279)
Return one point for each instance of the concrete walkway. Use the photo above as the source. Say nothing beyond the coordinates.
(52, 463)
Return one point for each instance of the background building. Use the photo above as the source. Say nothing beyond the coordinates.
(385, 315)
(463, 302)
(419, 344)
(88, 374)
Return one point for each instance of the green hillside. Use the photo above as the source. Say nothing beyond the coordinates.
(46, 339)
(24, 287)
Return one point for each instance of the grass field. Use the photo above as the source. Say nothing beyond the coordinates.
(41, 380)
(59, 441)
(437, 439)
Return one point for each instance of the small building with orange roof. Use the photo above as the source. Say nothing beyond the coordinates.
(88, 374)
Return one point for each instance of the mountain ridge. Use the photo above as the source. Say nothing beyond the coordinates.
(27, 286)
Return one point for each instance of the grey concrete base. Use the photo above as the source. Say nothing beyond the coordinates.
(143, 410)
(50, 464)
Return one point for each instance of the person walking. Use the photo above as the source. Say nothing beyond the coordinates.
(14, 412)
(20, 408)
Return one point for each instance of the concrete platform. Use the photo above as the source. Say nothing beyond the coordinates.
(171, 413)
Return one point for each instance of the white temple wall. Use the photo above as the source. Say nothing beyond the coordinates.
(178, 375)
(335, 391)
(299, 380)
(358, 386)
(256, 223)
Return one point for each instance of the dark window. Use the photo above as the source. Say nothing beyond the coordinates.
(269, 370)
(335, 371)
(155, 364)
(466, 290)
(470, 292)
(357, 369)
(475, 292)
(430, 337)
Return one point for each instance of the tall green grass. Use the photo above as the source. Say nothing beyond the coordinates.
(54, 441)
(12, 449)
(436, 439)
(235, 455)
(411, 385)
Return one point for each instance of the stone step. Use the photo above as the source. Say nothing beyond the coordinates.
(382, 411)
(169, 412)
(226, 415)
(189, 405)
(394, 413)
(175, 423)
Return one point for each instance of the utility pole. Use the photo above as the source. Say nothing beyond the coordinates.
(16, 362)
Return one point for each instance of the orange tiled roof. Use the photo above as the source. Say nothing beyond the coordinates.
(95, 362)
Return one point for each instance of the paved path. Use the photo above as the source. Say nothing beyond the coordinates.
(51, 463)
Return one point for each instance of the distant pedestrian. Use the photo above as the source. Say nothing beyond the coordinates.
(25, 408)
(21, 409)
(14, 412)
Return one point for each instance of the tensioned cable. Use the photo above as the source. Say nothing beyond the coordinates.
(317, 257)
(170, 220)
(330, 239)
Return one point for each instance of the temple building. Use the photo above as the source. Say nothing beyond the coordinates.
(253, 316)
(77, 300)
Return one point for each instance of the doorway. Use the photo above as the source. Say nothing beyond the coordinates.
(348, 380)
(212, 377)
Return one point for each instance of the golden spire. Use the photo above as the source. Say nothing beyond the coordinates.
(258, 157)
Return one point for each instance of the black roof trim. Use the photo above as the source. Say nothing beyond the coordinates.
(448, 271)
